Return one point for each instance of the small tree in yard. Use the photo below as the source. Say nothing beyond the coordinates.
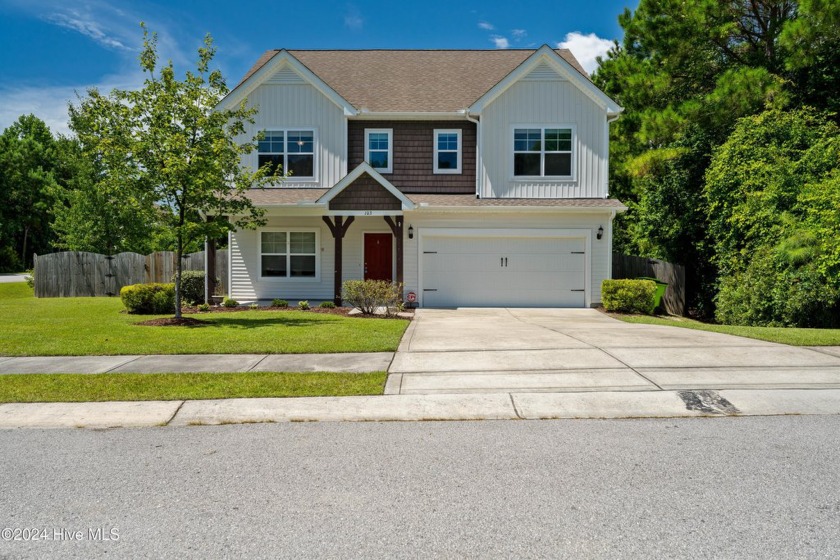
(173, 149)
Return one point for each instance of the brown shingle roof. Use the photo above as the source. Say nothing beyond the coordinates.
(285, 196)
(412, 80)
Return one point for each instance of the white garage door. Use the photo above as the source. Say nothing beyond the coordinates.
(501, 271)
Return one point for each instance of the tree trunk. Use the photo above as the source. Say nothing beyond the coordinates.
(23, 250)
(178, 266)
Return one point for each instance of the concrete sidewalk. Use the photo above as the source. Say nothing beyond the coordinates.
(199, 363)
(496, 406)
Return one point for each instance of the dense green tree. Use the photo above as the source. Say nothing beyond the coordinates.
(685, 73)
(773, 199)
(29, 171)
(170, 146)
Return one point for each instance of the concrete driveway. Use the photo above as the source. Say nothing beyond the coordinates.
(560, 350)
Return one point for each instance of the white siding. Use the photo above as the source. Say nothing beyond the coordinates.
(600, 252)
(301, 105)
(246, 284)
(543, 102)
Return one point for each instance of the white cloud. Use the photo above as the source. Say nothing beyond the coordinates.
(518, 34)
(353, 18)
(586, 48)
(486, 25)
(87, 26)
(500, 42)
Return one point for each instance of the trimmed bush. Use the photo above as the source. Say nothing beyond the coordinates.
(192, 286)
(327, 305)
(204, 307)
(279, 303)
(369, 295)
(254, 306)
(628, 296)
(149, 299)
(303, 305)
(228, 302)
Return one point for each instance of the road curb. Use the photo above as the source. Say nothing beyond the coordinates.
(395, 408)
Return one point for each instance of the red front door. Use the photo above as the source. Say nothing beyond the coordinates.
(378, 256)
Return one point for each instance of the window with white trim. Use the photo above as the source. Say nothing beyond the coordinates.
(447, 151)
(379, 148)
(288, 254)
(543, 152)
(292, 150)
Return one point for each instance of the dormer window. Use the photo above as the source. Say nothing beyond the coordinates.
(292, 150)
(447, 151)
(379, 148)
(543, 152)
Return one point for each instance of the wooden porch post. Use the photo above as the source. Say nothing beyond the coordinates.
(338, 229)
(396, 225)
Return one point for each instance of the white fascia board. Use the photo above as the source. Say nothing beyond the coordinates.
(268, 69)
(362, 168)
(409, 115)
(547, 54)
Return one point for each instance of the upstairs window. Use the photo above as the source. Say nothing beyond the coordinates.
(447, 151)
(292, 150)
(379, 148)
(289, 254)
(542, 152)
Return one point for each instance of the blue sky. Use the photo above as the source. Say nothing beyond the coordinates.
(50, 49)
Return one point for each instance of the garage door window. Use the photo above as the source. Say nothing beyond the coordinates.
(543, 152)
(289, 254)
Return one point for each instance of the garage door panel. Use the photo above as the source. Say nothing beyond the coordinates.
(503, 271)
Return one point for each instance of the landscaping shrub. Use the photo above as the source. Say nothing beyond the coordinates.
(204, 307)
(228, 302)
(149, 299)
(368, 295)
(192, 286)
(30, 278)
(254, 306)
(628, 296)
(327, 305)
(303, 305)
(279, 303)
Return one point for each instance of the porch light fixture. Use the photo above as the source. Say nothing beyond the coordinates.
(410, 231)
(600, 232)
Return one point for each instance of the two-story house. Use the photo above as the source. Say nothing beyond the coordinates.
(474, 177)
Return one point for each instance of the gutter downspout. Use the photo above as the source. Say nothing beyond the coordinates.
(610, 119)
(479, 155)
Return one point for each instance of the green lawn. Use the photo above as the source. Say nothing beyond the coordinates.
(783, 335)
(184, 386)
(94, 326)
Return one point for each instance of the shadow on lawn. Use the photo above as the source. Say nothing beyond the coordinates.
(255, 323)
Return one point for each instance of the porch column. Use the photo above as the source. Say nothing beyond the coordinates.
(396, 225)
(338, 229)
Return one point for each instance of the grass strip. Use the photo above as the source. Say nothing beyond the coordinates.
(75, 387)
(782, 335)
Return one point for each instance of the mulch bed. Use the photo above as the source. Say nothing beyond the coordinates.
(173, 322)
(343, 311)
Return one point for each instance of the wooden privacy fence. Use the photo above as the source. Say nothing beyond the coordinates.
(81, 274)
(627, 266)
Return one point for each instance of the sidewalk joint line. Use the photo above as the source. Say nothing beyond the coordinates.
(261, 360)
(121, 364)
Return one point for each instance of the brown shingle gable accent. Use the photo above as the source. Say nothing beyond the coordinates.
(412, 80)
(365, 193)
(413, 162)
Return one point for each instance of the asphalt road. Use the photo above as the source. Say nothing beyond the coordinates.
(696, 488)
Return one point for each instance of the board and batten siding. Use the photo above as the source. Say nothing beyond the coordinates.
(301, 105)
(601, 249)
(540, 102)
